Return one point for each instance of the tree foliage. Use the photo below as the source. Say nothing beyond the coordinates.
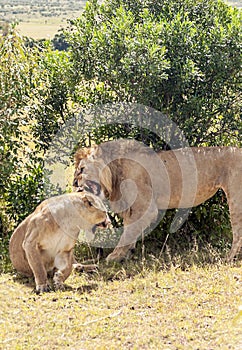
(179, 57)
(23, 89)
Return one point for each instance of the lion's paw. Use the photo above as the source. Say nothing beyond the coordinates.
(121, 254)
(59, 286)
(116, 256)
(58, 281)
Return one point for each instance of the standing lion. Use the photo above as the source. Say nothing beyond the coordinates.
(139, 182)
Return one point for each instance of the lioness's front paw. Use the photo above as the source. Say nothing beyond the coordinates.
(58, 281)
(85, 268)
(42, 288)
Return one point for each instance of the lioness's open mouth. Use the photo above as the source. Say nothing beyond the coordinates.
(103, 224)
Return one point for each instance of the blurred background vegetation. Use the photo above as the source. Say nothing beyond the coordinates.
(182, 58)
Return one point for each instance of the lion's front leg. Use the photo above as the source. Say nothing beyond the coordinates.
(127, 242)
(134, 226)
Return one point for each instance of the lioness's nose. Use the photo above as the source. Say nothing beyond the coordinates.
(107, 221)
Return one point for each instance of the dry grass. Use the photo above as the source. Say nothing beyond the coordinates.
(39, 30)
(138, 305)
(43, 28)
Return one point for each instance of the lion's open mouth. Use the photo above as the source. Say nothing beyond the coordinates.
(93, 187)
(89, 186)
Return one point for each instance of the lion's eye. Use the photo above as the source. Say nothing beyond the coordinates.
(75, 183)
(79, 171)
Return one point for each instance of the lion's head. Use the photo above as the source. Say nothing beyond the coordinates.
(91, 174)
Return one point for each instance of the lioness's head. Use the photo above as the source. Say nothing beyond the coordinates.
(96, 213)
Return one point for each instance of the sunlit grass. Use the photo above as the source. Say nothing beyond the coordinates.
(138, 305)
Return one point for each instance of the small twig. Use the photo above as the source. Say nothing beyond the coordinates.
(102, 318)
(164, 244)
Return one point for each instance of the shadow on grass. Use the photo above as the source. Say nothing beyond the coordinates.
(30, 283)
(26, 281)
(151, 255)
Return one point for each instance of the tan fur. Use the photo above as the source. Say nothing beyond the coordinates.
(43, 243)
(139, 182)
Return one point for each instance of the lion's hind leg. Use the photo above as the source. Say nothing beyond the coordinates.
(236, 223)
(234, 196)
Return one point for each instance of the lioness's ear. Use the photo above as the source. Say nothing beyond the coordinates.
(94, 150)
(94, 201)
(88, 201)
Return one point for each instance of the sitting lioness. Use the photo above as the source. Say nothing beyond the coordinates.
(43, 243)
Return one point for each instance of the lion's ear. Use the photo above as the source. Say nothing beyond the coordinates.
(80, 154)
(106, 179)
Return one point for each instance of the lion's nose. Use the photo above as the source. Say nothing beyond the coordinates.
(75, 183)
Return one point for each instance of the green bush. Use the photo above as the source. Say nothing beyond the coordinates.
(15, 63)
(22, 134)
(179, 57)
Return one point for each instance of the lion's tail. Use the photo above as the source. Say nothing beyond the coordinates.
(16, 251)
